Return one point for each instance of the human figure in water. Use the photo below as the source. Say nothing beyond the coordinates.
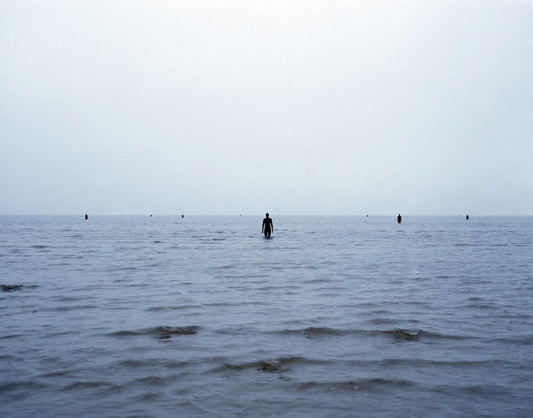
(399, 218)
(268, 227)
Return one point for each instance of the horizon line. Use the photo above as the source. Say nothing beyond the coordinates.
(247, 214)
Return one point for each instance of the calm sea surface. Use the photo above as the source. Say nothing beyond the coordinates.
(202, 316)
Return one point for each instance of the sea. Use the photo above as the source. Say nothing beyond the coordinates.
(354, 316)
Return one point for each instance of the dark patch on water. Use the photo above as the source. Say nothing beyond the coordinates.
(149, 397)
(125, 333)
(479, 390)
(163, 332)
(280, 365)
(166, 333)
(153, 381)
(270, 366)
(11, 287)
(316, 332)
(382, 321)
(403, 335)
(397, 334)
(25, 384)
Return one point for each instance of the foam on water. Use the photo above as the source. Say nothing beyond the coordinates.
(335, 316)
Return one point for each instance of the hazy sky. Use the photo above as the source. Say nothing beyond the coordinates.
(242, 107)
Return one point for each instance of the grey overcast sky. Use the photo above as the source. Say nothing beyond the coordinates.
(241, 107)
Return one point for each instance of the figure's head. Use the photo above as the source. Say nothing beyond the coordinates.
(267, 215)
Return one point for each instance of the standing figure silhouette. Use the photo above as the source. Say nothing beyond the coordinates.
(268, 227)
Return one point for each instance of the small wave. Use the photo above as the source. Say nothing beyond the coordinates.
(69, 308)
(315, 280)
(520, 340)
(125, 268)
(148, 397)
(153, 362)
(380, 312)
(39, 247)
(172, 308)
(59, 373)
(9, 336)
(90, 385)
(481, 306)
(484, 390)
(224, 267)
(153, 381)
(416, 363)
(8, 357)
(356, 385)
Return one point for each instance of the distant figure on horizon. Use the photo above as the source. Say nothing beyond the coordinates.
(182, 216)
(268, 227)
(86, 216)
(399, 218)
(467, 217)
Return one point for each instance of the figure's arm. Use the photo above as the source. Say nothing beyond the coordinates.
(263, 227)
